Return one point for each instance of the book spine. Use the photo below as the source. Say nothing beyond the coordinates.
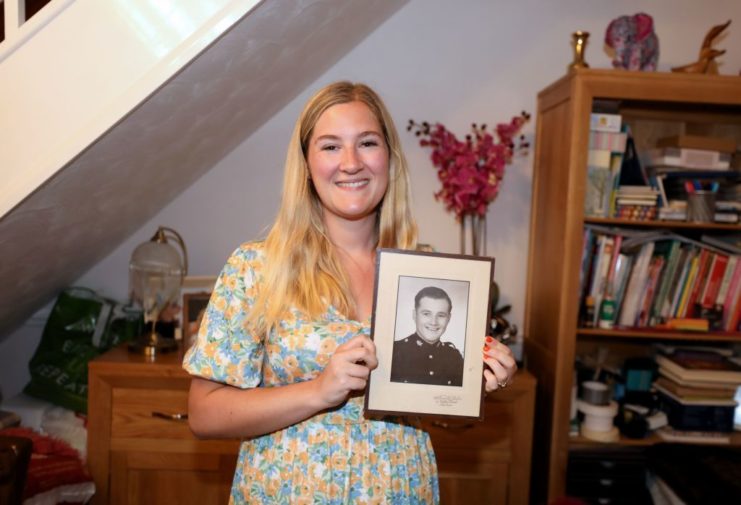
(733, 295)
(725, 284)
(715, 277)
(698, 283)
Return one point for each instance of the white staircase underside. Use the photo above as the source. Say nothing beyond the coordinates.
(107, 183)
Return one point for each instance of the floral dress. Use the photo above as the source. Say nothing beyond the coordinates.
(335, 457)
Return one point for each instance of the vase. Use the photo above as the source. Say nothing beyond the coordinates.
(579, 40)
(473, 233)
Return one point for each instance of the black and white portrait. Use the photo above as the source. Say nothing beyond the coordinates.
(430, 331)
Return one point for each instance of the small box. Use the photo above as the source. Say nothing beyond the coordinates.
(600, 122)
(697, 416)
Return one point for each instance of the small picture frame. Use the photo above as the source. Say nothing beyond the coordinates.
(430, 317)
(195, 294)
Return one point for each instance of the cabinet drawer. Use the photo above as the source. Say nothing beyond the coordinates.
(137, 413)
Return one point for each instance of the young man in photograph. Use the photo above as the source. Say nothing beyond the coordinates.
(422, 358)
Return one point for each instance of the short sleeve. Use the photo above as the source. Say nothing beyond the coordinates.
(225, 350)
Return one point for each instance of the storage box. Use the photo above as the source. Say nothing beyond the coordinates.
(696, 416)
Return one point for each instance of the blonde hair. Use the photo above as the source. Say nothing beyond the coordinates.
(301, 267)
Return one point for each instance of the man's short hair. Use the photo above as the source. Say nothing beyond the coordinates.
(434, 293)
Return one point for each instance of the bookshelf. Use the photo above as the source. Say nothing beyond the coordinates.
(655, 104)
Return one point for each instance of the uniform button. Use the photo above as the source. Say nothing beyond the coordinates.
(449, 382)
(430, 356)
(432, 373)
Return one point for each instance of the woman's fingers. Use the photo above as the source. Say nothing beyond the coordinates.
(501, 365)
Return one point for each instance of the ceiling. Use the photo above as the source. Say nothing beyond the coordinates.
(168, 141)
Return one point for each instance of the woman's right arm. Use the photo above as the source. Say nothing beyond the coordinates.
(217, 410)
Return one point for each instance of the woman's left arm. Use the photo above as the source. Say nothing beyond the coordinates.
(500, 365)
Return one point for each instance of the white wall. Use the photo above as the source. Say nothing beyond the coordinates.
(437, 60)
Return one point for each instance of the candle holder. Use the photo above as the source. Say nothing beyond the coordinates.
(579, 41)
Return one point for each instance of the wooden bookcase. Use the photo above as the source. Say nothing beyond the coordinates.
(654, 104)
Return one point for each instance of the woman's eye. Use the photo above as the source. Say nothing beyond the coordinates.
(329, 147)
(369, 143)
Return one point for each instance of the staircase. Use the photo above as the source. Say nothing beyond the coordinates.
(111, 108)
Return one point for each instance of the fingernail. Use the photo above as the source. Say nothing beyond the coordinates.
(489, 339)
(486, 348)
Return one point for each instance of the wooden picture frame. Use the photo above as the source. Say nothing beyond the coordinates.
(430, 317)
(195, 294)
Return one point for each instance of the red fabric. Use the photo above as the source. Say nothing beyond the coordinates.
(53, 463)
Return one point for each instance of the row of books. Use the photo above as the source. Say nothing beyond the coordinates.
(658, 279)
(697, 390)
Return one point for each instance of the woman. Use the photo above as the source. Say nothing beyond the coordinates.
(283, 354)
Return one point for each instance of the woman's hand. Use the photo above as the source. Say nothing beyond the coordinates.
(347, 371)
(500, 365)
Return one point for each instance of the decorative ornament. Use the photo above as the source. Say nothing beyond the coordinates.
(706, 62)
(579, 41)
(634, 42)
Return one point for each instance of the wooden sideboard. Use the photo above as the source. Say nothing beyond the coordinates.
(140, 449)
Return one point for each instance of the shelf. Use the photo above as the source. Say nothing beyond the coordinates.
(611, 221)
(579, 442)
(659, 334)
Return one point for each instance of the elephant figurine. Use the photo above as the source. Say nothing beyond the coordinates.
(634, 41)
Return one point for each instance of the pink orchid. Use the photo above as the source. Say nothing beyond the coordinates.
(471, 171)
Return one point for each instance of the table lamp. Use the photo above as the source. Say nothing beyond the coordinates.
(156, 272)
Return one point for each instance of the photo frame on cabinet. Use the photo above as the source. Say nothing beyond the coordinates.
(195, 294)
(430, 318)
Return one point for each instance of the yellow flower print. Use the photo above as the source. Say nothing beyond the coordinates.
(231, 282)
(338, 462)
(272, 486)
(206, 371)
(338, 328)
(220, 303)
(328, 346)
(290, 362)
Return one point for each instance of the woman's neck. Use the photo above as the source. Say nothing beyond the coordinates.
(353, 237)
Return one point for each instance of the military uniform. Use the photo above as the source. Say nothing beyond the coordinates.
(417, 361)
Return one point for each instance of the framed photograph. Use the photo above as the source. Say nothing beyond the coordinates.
(195, 294)
(430, 319)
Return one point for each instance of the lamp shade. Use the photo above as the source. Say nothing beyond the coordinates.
(156, 272)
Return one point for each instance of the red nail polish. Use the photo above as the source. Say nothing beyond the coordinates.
(486, 348)
(489, 339)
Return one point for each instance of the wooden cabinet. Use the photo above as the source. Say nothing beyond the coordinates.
(141, 451)
(689, 104)
(488, 462)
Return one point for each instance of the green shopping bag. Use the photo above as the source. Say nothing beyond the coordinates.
(81, 326)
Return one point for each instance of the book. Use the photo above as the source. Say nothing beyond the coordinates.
(721, 144)
(688, 400)
(693, 437)
(728, 386)
(701, 366)
(602, 122)
(634, 290)
(683, 158)
(610, 141)
(693, 393)
(598, 188)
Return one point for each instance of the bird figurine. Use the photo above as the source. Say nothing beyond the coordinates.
(706, 63)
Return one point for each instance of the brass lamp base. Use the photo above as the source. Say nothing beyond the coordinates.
(151, 345)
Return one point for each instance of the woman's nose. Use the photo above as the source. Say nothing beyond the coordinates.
(351, 160)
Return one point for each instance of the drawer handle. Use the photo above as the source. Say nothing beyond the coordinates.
(453, 427)
(170, 417)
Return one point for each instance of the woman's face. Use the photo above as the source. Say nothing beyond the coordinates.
(348, 161)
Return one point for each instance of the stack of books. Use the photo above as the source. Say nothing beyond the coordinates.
(637, 203)
(606, 148)
(691, 153)
(697, 390)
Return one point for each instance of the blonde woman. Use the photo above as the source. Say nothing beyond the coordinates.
(283, 354)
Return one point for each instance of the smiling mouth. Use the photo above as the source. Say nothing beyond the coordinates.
(353, 184)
